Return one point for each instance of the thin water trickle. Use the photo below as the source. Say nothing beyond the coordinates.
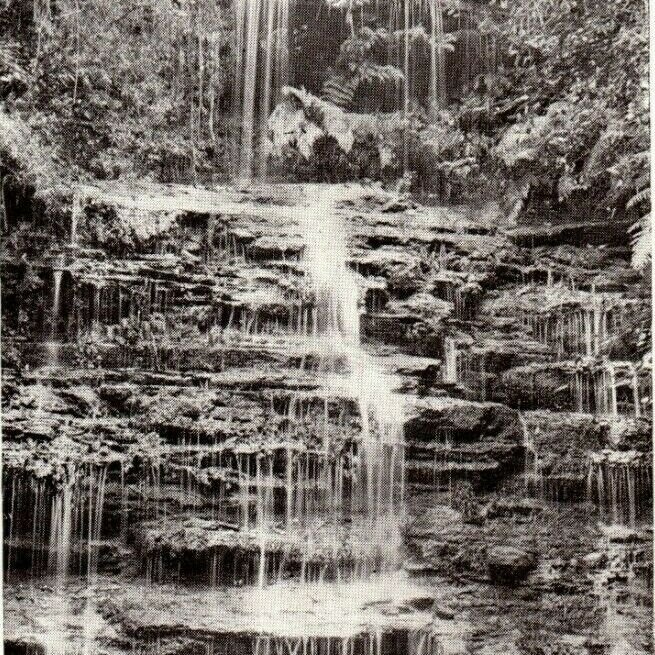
(76, 211)
(619, 483)
(408, 17)
(532, 470)
(595, 389)
(61, 532)
(450, 360)
(56, 301)
(53, 345)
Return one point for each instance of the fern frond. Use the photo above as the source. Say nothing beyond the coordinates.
(386, 74)
(638, 198)
(339, 90)
(641, 242)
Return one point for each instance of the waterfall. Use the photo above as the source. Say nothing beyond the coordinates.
(76, 210)
(409, 16)
(379, 469)
(96, 504)
(450, 360)
(619, 482)
(437, 96)
(586, 328)
(595, 389)
(635, 388)
(613, 402)
(52, 345)
(56, 302)
(533, 474)
(262, 69)
(61, 530)
(378, 642)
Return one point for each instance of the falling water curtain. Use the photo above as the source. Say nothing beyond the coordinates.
(326, 327)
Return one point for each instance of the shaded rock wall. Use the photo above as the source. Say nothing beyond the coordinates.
(161, 343)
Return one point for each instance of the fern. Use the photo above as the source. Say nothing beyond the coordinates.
(641, 241)
(638, 198)
(386, 74)
(356, 66)
(642, 229)
(339, 90)
(11, 68)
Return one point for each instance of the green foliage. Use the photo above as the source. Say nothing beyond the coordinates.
(120, 88)
(318, 140)
(568, 104)
(555, 111)
(356, 66)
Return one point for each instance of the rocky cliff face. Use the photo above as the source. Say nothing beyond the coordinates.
(170, 416)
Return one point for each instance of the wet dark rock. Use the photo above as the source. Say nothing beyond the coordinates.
(538, 386)
(203, 357)
(397, 205)
(621, 534)
(562, 444)
(422, 306)
(443, 612)
(594, 560)
(421, 604)
(512, 507)
(580, 233)
(275, 248)
(486, 439)
(507, 564)
(629, 433)
(416, 567)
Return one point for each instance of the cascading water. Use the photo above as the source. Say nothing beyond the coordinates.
(450, 360)
(52, 344)
(262, 69)
(599, 389)
(76, 211)
(534, 479)
(619, 483)
(61, 528)
(410, 16)
(379, 474)
(636, 394)
(56, 301)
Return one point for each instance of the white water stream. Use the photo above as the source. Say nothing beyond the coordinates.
(379, 472)
(262, 69)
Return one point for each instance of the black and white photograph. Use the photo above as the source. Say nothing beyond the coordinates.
(326, 327)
